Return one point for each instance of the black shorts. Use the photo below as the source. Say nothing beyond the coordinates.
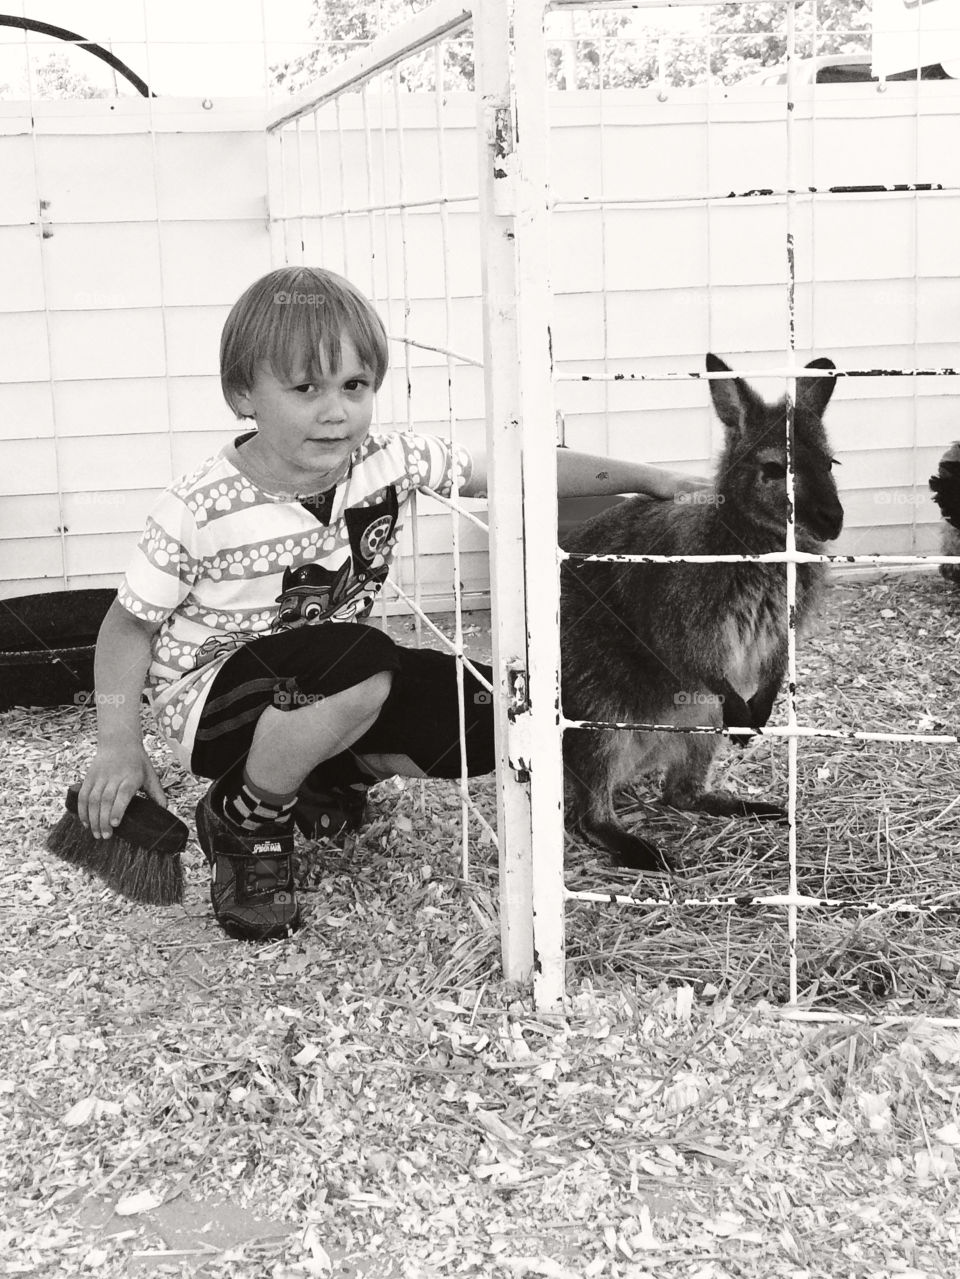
(419, 718)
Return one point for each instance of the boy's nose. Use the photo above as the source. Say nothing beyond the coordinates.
(331, 409)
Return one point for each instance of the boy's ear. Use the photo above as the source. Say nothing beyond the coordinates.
(241, 404)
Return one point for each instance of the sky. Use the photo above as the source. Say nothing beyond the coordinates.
(201, 48)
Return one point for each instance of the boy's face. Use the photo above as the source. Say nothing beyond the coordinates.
(306, 430)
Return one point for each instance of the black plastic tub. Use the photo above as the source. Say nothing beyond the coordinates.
(46, 647)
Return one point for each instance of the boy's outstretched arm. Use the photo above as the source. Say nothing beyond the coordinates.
(120, 767)
(589, 475)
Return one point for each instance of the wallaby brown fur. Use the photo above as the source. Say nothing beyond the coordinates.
(691, 644)
(945, 486)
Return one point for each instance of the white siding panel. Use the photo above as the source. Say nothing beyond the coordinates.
(577, 325)
(434, 532)
(633, 164)
(938, 314)
(865, 151)
(23, 347)
(92, 267)
(26, 411)
(97, 178)
(894, 506)
(19, 205)
(873, 313)
(867, 238)
(661, 322)
(104, 553)
(30, 557)
(938, 421)
(190, 449)
(111, 511)
(747, 244)
(938, 156)
(28, 466)
(680, 437)
(938, 236)
(36, 513)
(220, 176)
(111, 406)
(212, 262)
(753, 317)
(428, 325)
(667, 248)
(576, 247)
(739, 161)
(106, 344)
(197, 404)
(14, 588)
(193, 338)
(100, 463)
(22, 269)
(423, 254)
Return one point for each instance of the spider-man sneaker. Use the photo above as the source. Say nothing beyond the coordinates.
(251, 874)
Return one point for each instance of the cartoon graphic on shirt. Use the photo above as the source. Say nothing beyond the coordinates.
(216, 646)
(312, 593)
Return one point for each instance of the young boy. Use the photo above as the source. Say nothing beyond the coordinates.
(233, 610)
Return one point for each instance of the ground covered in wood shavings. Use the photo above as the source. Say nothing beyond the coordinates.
(369, 1099)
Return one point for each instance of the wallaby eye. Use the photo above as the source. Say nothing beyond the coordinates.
(773, 471)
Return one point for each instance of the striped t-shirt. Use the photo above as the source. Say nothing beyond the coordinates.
(223, 561)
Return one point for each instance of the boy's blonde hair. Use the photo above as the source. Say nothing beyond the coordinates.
(291, 318)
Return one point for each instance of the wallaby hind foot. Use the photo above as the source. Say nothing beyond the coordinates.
(720, 805)
(631, 851)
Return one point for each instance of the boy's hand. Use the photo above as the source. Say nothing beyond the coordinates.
(113, 778)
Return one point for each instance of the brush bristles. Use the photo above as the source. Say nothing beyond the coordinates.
(141, 874)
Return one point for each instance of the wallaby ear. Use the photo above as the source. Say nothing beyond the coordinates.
(731, 396)
(813, 393)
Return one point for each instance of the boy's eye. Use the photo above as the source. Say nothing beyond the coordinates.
(355, 384)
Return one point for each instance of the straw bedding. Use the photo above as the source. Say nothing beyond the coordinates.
(369, 1098)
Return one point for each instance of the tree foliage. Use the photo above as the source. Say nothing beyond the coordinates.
(55, 76)
(615, 49)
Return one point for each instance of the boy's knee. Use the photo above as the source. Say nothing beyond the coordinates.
(371, 693)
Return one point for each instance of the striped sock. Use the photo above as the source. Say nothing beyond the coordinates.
(252, 807)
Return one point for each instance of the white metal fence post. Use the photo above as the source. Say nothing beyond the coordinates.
(502, 396)
(538, 434)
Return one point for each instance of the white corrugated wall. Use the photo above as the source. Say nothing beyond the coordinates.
(128, 227)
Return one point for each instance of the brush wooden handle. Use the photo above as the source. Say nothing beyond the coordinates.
(145, 824)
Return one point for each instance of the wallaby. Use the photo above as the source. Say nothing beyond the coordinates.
(945, 486)
(691, 644)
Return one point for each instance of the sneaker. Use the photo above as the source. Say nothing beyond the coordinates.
(331, 812)
(251, 875)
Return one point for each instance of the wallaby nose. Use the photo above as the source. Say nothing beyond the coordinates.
(827, 524)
